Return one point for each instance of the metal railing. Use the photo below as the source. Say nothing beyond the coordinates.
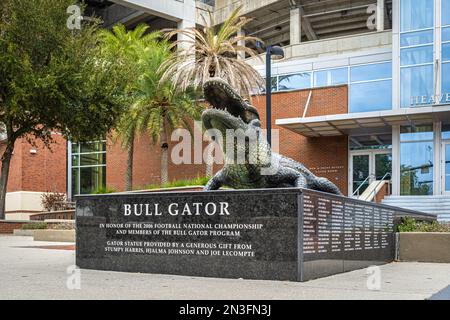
(356, 192)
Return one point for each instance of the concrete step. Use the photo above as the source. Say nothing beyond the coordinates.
(439, 205)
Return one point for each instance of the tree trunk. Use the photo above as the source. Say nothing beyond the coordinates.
(164, 155)
(6, 160)
(129, 172)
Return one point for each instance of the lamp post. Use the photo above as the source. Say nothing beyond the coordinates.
(275, 53)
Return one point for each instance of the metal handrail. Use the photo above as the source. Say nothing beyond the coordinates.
(362, 183)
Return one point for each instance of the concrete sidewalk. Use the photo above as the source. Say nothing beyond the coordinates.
(41, 273)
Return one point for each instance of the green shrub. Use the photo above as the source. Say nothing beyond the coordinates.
(34, 226)
(411, 225)
(199, 181)
(104, 190)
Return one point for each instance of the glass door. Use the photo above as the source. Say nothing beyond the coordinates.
(446, 167)
(383, 165)
(369, 166)
(360, 173)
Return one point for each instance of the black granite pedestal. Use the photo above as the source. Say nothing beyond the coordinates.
(276, 234)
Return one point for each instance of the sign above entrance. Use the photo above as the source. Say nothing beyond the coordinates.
(430, 100)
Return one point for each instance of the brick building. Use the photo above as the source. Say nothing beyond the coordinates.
(362, 97)
(100, 164)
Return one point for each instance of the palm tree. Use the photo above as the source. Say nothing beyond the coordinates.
(159, 108)
(125, 45)
(215, 51)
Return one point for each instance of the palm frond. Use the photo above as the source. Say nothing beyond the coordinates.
(207, 52)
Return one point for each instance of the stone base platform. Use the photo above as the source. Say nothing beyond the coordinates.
(267, 234)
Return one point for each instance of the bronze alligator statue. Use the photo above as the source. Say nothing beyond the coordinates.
(259, 167)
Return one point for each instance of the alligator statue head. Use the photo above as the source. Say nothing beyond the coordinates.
(229, 111)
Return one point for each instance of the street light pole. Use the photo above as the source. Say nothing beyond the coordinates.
(276, 53)
(268, 96)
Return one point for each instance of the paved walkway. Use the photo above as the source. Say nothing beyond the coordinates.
(38, 270)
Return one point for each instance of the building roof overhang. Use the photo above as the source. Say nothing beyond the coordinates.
(365, 122)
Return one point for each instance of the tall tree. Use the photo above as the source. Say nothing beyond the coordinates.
(159, 107)
(213, 52)
(125, 47)
(52, 78)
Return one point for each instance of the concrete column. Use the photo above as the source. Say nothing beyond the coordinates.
(181, 37)
(295, 26)
(395, 55)
(241, 54)
(380, 15)
(438, 186)
(395, 160)
(69, 170)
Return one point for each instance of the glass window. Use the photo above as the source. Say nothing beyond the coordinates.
(331, 77)
(371, 87)
(446, 33)
(274, 84)
(416, 160)
(415, 81)
(371, 142)
(447, 168)
(445, 72)
(446, 52)
(92, 147)
(445, 131)
(416, 55)
(75, 181)
(75, 148)
(75, 160)
(88, 167)
(91, 179)
(445, 78)
(445, 12)
(360, 172)
(416, 133)
(371, 96)
(294, 81)
(416, 38)
(371, 72)
(383, 165)
(416, 14)
(92, 159)
(417, 70)
(416, 168)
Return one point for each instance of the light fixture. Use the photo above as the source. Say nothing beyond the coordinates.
(276, 52)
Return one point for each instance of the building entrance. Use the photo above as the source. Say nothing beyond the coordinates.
(367, 166)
